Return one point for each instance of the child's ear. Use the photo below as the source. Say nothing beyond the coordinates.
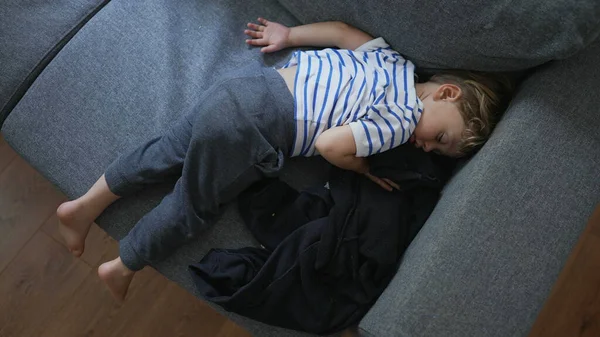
(449, 92)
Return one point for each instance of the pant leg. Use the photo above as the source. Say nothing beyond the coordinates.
(157, 234)
(159, 159)
(239, 135)
(196, 200)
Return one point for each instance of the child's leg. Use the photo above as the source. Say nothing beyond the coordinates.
(229, 149)
(154, 237)
(212, 175)
(155, 161)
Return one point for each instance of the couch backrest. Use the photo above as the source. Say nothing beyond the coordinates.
(469, 34)
(32, 32)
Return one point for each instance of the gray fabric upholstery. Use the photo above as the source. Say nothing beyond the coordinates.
(486, 259)
(31, 33)
(476, 35)
(126, 76)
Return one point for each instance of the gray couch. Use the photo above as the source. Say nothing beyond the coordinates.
(85, 80)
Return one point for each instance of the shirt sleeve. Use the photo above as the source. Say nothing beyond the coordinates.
(364, 144)
(379, 132)
(293, 61)
(373, 45)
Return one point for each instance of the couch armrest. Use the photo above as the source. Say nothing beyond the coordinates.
(487, 258)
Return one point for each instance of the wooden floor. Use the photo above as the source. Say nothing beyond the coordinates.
(46, 292)
(573, 307)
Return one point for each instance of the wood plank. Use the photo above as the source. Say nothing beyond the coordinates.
(573, 307)
(154, 307)
(26, 201)
(99, 246)
(188, 316)
(173, 312)
(7, 154)
(36, 284)
(230, 329)
(93, 312)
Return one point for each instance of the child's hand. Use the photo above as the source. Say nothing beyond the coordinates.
(273, 35)
(385, 183)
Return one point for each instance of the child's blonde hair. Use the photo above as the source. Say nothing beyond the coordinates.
(484, 98)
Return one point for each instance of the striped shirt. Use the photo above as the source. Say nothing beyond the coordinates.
(371, 89)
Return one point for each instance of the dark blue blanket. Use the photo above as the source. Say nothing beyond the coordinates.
(329, 252)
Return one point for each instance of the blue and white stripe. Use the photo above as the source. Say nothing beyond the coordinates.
(371, 89)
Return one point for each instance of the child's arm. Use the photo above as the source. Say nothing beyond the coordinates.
(274, 36)
(338, 147)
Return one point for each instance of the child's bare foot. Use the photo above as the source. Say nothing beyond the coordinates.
(76, 217)
(117, 277)
(74, 222)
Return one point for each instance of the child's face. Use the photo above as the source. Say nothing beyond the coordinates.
(441, 125)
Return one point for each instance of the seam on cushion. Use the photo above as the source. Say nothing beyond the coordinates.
(287, 9)
(26, 83)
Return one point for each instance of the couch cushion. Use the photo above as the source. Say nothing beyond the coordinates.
(488, 256)
(469, 34)
(31, 33)
(123, 78)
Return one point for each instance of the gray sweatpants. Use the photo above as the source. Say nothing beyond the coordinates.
(240, 131)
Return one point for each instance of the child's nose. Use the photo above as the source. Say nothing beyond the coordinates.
(426, 147)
